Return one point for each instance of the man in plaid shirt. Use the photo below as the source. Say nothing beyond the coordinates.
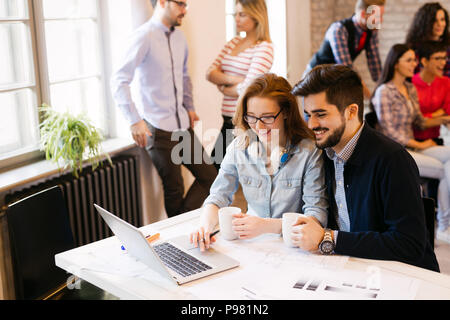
(346, 39)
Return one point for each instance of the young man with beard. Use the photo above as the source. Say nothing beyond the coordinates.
(157, 59)
(376, 210)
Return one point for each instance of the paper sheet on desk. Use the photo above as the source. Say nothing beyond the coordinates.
(260, 258)
(269, 250)
(312, 283)
(111, 259)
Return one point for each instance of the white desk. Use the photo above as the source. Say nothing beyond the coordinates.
(268, 270)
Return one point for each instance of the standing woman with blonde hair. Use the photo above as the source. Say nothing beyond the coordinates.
(241, 60)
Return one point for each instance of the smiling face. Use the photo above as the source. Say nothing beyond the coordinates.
(266, 107)
(406, 64)
(244, 22)
(436, 64)
(327, 123)
(439, 25)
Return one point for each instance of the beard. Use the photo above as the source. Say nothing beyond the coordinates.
(177, 21)
(333, 139)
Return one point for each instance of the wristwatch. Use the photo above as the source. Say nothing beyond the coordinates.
(327, 245)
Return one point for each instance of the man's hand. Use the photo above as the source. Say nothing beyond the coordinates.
(140, 131)
(193, 117)
(307, 233)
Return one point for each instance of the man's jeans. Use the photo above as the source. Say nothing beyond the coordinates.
(159, 147)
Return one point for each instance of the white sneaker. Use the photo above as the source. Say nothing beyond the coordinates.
(443, 235)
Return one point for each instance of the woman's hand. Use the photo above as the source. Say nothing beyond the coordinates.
(427, 144)
(230, 91)
(208, 221)
(202, 238)
(438, 113)
(248, 226)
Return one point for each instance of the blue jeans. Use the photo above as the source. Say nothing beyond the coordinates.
(434, 163)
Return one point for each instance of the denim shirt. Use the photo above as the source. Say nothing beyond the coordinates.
(297, 186)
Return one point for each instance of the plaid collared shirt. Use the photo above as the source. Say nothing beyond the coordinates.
(339, 160)
(396, 115)
(337, 35)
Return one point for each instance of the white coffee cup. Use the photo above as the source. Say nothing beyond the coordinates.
(289, 219)
(225, 222)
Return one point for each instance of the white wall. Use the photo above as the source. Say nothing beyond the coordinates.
(204, 27)
(298, 38)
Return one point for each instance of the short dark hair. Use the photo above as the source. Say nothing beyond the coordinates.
(364, 4)
(428, 48)
(154, 2)
(341, 84)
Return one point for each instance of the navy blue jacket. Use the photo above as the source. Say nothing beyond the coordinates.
(382, 189)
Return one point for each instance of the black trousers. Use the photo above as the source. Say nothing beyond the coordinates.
(168, 156)
(222, 141)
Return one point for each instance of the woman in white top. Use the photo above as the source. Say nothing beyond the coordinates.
(240, 61)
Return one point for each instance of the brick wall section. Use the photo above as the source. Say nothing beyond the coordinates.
(397, 18)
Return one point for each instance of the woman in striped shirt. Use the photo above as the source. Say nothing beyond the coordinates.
(240, 61)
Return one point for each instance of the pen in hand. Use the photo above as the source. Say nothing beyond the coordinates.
(202, 240)
(213, 234)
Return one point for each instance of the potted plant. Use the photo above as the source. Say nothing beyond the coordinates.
(70, 139)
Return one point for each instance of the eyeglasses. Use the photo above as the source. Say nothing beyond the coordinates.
(440, 58)
(181, 4)
(265, 119)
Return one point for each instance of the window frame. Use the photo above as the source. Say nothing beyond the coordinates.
(40, 82)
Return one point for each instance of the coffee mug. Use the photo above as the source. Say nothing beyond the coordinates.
(289, 219)
(225, 222)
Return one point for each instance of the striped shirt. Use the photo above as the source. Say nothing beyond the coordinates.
(250, 63)
(337, 35)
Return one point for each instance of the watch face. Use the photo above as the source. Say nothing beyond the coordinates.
(326, 247)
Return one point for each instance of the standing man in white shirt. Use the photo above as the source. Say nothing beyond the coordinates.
(157, 59)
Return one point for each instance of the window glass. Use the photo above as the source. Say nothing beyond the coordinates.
(54, 9)
(13, 9)
(15, 53)
(18, 123)
(80, 96)
(72, 48)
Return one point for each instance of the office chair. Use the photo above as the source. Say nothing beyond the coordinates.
(39, 228)
(430, 218)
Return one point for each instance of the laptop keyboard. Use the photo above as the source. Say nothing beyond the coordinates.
(179, 261)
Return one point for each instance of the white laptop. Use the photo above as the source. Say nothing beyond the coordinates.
(174, 258)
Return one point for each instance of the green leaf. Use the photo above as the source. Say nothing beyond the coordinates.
(69, 138)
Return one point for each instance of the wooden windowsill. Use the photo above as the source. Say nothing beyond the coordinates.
(44, 168)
